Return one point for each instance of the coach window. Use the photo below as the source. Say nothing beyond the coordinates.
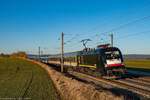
(67, 59)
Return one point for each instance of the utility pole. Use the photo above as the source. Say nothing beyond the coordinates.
(39, 53)
(62, 51)
(112, 39)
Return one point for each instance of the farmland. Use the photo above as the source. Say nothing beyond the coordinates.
(138, 64)
(24, 79)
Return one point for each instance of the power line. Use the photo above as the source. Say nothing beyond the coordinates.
(117, 28)
(141, 6)
(121, 26)
(105, 33)
(135, 34)
(126, 25)
(71, 39)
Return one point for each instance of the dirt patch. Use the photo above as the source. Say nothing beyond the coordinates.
(71, 89)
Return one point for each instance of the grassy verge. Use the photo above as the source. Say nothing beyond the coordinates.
(24, 79)
(138, 64)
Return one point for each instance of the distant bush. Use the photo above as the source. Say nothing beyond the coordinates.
(19, 54)
(147, 58)
(4, 55)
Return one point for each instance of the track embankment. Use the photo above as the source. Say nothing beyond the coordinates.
(72, 89)
(135, 87)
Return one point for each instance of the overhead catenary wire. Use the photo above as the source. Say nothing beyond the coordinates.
(104, 33)
(77, 36)
(117, 28)
(74, 37)
(126, 25)
(141, 6)
(134, 34)
(121, 26)
(108, 32)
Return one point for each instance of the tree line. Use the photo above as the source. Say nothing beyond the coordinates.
(17, 54)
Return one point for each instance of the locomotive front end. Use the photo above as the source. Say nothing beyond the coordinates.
(113, 62)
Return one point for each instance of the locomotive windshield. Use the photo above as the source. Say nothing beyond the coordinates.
(112, 55)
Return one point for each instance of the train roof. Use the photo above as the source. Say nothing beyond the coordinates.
(70, 54)
(98, 50)
(85, 52)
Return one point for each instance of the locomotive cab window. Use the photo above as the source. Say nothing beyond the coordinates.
(112, 55)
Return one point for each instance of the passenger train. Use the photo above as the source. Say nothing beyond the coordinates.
(101, 62)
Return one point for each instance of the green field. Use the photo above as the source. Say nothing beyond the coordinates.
(138, 64)
(24, 79)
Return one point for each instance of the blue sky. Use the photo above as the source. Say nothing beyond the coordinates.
(27, 24)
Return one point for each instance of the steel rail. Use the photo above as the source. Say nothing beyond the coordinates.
(113, 83)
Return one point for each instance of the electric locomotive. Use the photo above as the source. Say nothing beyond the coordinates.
(103, 61)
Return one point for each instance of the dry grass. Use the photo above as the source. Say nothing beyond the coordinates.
(75, 90)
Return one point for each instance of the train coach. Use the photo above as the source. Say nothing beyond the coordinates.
(101, 62)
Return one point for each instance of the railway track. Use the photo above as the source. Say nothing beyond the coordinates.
(135, 87)
(138, 77)
(147, 79)
(145, 82)
(134, 84)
